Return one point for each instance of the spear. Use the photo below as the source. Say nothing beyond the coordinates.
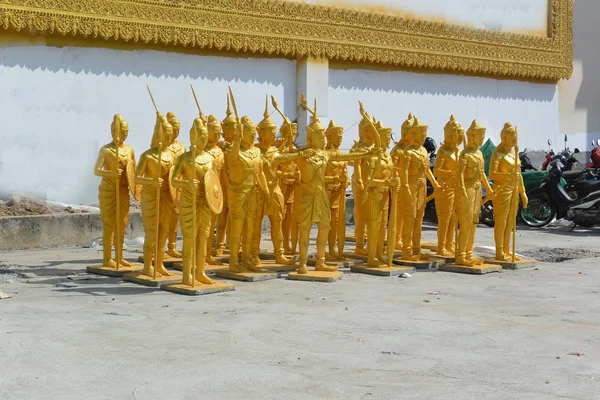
(514, 204)
(197, 104)
(117, 234)
(157, 190)
(194, 213)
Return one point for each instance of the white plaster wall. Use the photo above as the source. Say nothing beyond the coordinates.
(522, 16)
(57, 105)
(390, 96)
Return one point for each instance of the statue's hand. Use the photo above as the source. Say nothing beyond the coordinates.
(524, 199)
(395, 181)
(336, 179)
(118, 172)
(376, 151)
(297, 175)
(158, 181)
(307, 153)
(193, 183)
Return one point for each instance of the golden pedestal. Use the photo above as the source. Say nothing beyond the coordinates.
(446, 259)
(198, 289)
(247, 276)
(521, 264)
(107, 271)
(475, 269)
(316, 276)
(429, 246)
(141, 279)
(384, 271)
(167, 262)
(272, 266)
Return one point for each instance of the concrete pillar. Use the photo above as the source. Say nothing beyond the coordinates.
(312, 79)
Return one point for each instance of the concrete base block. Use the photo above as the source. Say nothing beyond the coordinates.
(106, 271)
(384, 271)
(209, 269)
(198, 289)
(141, 279)
(446, 259)
(272, 266)
(247, 276)
(421, 264)
(475, 269)
(524, 263)
(167, 262)
(316, 276)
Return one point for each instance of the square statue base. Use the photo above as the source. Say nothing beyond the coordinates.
(523, 263)
(352, 256)
(446, 259)
(272, 266)
(141, 279)
(384, 271)
(209, 269)
(345, 263)
(429, 263)
(246, 276)
(167, 262)
(316, 276)
(107, 271)
(475, 269)
(429, 246)
(198, 289)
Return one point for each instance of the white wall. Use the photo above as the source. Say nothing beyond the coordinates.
(57, 105)
(390, 96)
(522, 16)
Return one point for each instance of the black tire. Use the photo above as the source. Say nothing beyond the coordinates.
(539, 212)
(486, 216)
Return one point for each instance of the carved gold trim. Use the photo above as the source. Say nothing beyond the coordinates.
(291, 29)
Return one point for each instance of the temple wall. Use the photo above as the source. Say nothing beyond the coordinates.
(58, 103)
(520, 16)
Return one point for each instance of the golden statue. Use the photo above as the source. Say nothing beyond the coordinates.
(336, 179)
(505, 171)
(471, 175)
(115, 163)
(193, 205)
(313, 203)
(289, 177)
(218, 162)
(397, 155)
(445, 169)
(229, 126)
(176, 148)
(157, 199)
(358, 187)
(266, 138)
(414, 172)
(246, 178)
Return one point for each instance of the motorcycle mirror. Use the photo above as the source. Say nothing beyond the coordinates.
(576, 150)
(549, 142)
(598, 142)
(393, 136)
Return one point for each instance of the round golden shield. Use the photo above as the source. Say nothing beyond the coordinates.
(214, 193)
(136, 190)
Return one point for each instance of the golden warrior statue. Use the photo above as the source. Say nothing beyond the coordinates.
(505, 171)
(218, 162)
(229, 126)
(114, 159)
(153, 174)
(182, 177)
(471, 175)
(414, 171)
(313, 204)
(446, 165)
(176, 148)
(266, 137)
(397, 154)
(336, 178)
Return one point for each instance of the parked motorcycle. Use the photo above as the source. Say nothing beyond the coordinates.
(552, 200)
(430, 213)
(595, 156)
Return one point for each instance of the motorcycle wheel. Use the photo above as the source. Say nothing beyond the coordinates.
(486, 216)
(539, 212)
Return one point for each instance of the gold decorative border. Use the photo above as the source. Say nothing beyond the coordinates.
(292, 29)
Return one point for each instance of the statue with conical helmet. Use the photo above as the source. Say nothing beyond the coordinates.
(505, 171)
(446, 165)
(471, 175)
(266, 139)
(397, 153)
(313, 204)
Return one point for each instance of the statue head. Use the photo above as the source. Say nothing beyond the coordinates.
(266, 128)
(229, 124)
(453, 132)
(417, 133)
(364, 126)
(315, 134)
(248, 131)
(119, 129)
(163, 131)
(475, 134)
(334, 135)
(172, 118)
(199, 134)
(214, 129)
(509, 135)
(288, 131)
(406, 125)
(385, 135)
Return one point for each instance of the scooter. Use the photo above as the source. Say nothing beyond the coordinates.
(549, 156)
(595, 156)
(430, 213)
(552, 201)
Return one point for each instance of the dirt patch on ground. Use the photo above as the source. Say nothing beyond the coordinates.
(18, 206)
(557, 255)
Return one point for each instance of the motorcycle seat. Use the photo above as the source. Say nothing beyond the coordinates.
(586, 187)
(572, 175)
